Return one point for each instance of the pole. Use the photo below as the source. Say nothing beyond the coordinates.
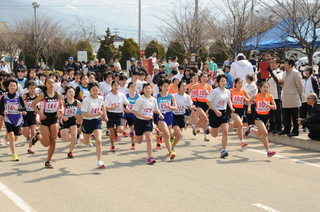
(139, 30)
(197, 30)
(35, 16)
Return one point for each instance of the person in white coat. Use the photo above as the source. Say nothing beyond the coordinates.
(241, 67)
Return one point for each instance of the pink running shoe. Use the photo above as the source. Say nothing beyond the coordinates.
(271, 153)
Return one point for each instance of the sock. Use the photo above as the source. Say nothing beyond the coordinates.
(251, 129)
(14, 154)
(241, 141)
(223, 150)
(268, 150)
(29, 147)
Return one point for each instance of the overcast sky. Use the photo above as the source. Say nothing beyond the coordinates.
(121, 14)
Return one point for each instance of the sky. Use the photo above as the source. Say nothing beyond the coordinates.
(119, 15)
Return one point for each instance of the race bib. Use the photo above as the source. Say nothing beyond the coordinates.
(193, 94)
(117, 108)
(51, 107)
(130, 108)
(12, 108)
(95, 110)
(237, 100)
(165, 107)
(147, 111)
(221, 105)
(262, 107)
(70, 112)
(28, 106)
(181, 110)
(202, 94)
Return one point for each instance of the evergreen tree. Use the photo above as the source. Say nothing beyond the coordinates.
(216, 50)
(176, 48)
(107, 49)
(154, 46)
(204, 53)
(129, 49)
(85, 46)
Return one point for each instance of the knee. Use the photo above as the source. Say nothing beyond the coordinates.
(98, 142)
(120, 130)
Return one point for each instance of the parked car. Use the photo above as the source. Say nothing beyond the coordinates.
(316, 58)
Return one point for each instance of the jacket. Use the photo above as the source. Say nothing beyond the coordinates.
(292, 89)
(314, 116)
(240, 69)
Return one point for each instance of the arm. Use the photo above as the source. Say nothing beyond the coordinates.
(77, 91)
(35, 108)
(272, 104)
(231, 106)
(298, 82)
(174, 104)
(250, 102)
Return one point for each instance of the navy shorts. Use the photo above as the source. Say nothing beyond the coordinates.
(178, 120)
(202, 105)
(88, 126)
(142, 126)
(168, 118)
(239, 111)
(264, 118)
(216, 121)
(49, 120)
(29, 120)
(114, 119)
(130, 120)
(11, 128)
(67, 124)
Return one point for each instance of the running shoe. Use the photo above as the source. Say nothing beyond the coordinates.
(248, 130)
(151, 160)
(0, 142)
(30, 151)
(35, 138)
(131, 134)
(124, 134)
(224, 154)
(208, 130)
(90, 144)
(161, 139)
(48, 165)
(107, 133)
(133, 146)
(92, 137)
(112, 149)
(116, 137)
(20, 132)
(187, 125)
(206, 138)
(70, 155)
(15, 157)
(79, 139)
(172, 155)
(171, 139)
(198, 130)
(271, 153)
(27, 140)
(194, 130)
(243, 144)
(159, 146)
(59, 133)
(7, 141)
(101, 165)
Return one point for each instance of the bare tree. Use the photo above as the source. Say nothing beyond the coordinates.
(185, 24)
(82, 30)
(8, 45)
(238, 23)
(298, 20)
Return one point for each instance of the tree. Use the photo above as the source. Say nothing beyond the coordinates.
(216, 50)
(203, 53)
(299, 20)
(184, 25)
(154, 46)
(85, 46)
(129, 49)
(176, 48)
(107, 49)
(8, 45)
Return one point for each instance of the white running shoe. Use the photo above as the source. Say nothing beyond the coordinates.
(100, 165)
(79, 139)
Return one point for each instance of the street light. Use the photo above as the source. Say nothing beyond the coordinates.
(35, 6)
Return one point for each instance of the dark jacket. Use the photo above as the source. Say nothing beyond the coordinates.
(315, 85)
(73, 65)
(132, 68)
(155, 77)
(314, 116)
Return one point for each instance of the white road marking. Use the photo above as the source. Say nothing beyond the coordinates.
(280, 156)
(15, 198)
(265, 207)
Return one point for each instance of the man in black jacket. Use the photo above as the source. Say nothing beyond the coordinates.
(133, 66)
(72, 64)
(313, 122)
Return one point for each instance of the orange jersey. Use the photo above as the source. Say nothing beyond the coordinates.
(262, 108)
(171, 89)
(237, 98)
(193, 94)
(203, 92)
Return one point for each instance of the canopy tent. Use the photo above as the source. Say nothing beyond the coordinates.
(276, 37)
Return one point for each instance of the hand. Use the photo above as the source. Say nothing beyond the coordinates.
(218, 113)
(147, 118)
(42, 116)
(106, 119)
(161, 116)
(264, 101)
(24, 113)
(116, 106)
(232, 110)
(65, 118)
(192, 107)
(249, 111)
(299, 120)
(5, 112)
(126, 110)
(14, 107)
(100, 113)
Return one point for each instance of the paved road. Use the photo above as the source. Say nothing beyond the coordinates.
(197, 180)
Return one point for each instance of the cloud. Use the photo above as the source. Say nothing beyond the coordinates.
(72, 7)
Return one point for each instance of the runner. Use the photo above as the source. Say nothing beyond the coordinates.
(2, 93)
(183, 102)
(132, 97)
(193, 94)
(93, 111)
(30, 123)
(238, 97)
(143, 110)
(105, 86)
(264, 102)
(218, 99)
(166, 104)
(68, 120)
(50, 104)
(174, 86)
(114, 104)
(11, 105)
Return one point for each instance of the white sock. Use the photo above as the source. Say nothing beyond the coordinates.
(29, 147)
(14, 154)
(241, 141)
(268, 150)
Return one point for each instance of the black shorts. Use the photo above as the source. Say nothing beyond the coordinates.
(130, 120)
(11, 128)
(67, 124)
(155, 118)
(49, 120)
(239, 111)
(29, 121)
(114, 119)
(88, 126)
(178, 120)
(264, 118)
(216, 121)
(142, 126)
(202, 105)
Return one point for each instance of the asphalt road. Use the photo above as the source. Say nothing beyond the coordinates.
(196, 180)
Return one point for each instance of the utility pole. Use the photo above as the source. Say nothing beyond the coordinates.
(139, 30)
(197, 30)
(35, 6)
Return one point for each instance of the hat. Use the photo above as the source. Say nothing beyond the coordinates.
(70, 58)
(132, 59)
(162, 66)
(240, 55)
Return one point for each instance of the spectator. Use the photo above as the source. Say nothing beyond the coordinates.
(253, 62)
(275, 91)
(65, 67)
(116, 62)
(168, 70)
(241, 67)
(142, 69)
(103, 67)
(252, 90)
(117, 69)
(20, 67)
(310, 85)
(38, 67)
(5, 67)
(226, 70)
(187, 76)
(185, 64)
(174, 63)
(133, 66)
(180, 74)
(111, 67)
(200, 63)
(292, 89)
(15, 63)
(72, 64)
(210, 64)
(96, 65)
(89, 66)
(154, 58)
(227, 62)
(313, 122)
(156, 76)
(215, 66)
